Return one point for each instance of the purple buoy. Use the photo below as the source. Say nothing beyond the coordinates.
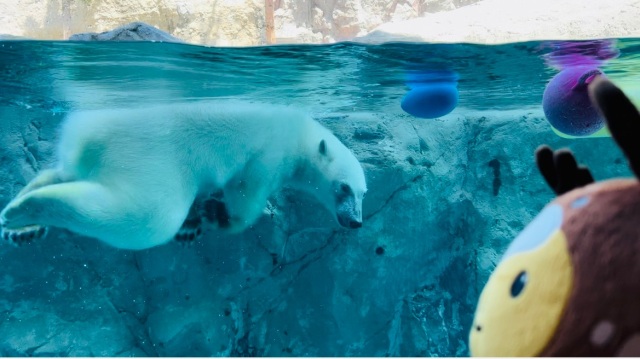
(566, 102)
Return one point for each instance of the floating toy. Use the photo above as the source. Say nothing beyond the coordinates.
(569, 284)
(432, 94)
(566, 102)
(567, 57)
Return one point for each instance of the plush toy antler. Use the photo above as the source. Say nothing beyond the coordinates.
(561, 171)
(622, 117)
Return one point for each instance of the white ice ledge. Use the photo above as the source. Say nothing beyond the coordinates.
(503, 21)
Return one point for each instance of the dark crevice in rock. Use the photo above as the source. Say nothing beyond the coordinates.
(30, 157)
(306, 259)
(140, 335)
(32, 350)
(429, 164)
(383, 328)
(424, 147)
(497, 181)
(241, 346)
(315, 252)
(393, 194)
(124, 350)
(30, 148)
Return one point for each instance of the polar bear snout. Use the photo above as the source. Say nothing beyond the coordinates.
(355, 224)
(349, 221)
(348, 214)
(348, 205)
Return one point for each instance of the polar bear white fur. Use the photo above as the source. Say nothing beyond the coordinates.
(130, 176)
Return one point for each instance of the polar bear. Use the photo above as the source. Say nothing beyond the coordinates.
(133, 177)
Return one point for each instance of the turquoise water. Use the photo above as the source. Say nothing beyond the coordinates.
(331, 78)
(445, 198)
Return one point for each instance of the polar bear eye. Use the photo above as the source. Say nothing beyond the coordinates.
(345, 188)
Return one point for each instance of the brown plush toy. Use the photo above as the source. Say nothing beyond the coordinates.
(569, 284)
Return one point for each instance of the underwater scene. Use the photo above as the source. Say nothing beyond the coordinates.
(413, 170)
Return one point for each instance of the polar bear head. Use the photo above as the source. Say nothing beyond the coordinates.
(336, 178)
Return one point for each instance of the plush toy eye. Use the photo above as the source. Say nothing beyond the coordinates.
(518, 284)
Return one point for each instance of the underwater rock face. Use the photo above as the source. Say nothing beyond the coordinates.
(437, 218)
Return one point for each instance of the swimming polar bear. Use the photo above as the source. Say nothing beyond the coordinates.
(134, 177)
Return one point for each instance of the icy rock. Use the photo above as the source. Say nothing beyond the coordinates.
(221, 23)
(135, 31)
(503, 21)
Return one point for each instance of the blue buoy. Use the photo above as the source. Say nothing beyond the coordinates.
(432, 94)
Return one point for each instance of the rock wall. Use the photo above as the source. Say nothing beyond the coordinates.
(326, 21)
(221, 23)
(445, 197)
(230, 22)
(242, 22)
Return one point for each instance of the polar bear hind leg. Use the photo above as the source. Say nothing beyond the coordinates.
(44, 178)
(29, 233)
(91, 209)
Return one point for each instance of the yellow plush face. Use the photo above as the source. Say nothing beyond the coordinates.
(523, 301)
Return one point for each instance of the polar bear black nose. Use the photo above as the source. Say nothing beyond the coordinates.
(355, 224)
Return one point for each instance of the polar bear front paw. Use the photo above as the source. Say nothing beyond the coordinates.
(20, 236)
(188, 235)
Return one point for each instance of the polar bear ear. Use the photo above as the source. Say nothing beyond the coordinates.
(323, 148)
